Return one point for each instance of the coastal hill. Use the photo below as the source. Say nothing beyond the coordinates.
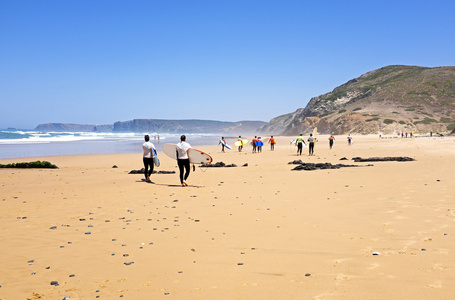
(74, 127)
(161, 126)
(385, 101)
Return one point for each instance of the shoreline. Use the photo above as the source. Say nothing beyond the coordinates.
(99, 147)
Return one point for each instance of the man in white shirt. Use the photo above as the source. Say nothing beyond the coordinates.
(147, 158)
(183, 161)
(311, 140)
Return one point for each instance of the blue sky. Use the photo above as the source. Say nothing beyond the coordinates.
(97, 62)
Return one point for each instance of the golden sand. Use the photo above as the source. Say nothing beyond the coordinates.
(255, 232)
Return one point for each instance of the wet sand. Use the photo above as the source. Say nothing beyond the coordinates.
(256, 232)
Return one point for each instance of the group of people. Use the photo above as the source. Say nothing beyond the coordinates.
(183, 161)
(405, 134)
(299, 142)
(257, 143)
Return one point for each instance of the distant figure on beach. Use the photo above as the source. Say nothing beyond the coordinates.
(254, 142)
(241, 143)
(349, 140)
(183, 161)
(272, 143)
(331, 140)
(311, 141)
(147, 158)
(260, 144)
(299, 143)
(223, 143)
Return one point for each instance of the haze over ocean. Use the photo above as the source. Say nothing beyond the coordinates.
(98, 62)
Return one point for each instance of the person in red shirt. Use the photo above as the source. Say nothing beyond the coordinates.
(272, 143)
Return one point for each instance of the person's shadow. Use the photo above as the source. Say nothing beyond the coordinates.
(171, 185)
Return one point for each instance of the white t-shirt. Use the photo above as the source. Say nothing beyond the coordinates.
(147, 147)
(311, 139)
(182, 150)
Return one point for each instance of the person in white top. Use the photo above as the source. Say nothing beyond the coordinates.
(311, 140)
(147, 158)
(183, 161)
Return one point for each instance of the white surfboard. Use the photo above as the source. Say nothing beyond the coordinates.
(294, 142)
(195, 156)
(225, 144)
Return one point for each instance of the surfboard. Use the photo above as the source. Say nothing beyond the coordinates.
(315, 131)
(225, 144)
(195, 156)
(294, 142)
(156, 161)
(241, 143)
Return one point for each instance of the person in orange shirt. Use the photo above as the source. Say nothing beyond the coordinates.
(255, 146)
(331, 140)
(272, 143)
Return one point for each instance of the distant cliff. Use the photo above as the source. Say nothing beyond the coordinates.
(74, 127)
(385, 101)
(160, 126)
(187, 126)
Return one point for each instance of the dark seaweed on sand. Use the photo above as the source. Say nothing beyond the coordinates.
(30, 165)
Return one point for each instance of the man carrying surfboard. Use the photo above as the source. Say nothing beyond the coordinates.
(299, 142)
(240, 143)
(147, 158)
(223, 143)
(260, 143)
(331, 140)
(272, 143)
(183, 161)
(311, 140)
(255, 143)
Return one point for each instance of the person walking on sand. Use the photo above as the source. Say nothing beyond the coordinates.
(223, 143)
(260, 144)
(272, 143)
(300, 142)
(241, 143)
(255, 145)
(349, 140)
(183, 161)
(311, 141)
(147, 158)
(331, 140)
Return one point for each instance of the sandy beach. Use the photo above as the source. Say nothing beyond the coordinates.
(259, 231)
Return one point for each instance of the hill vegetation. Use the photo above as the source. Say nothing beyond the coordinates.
(388, 100)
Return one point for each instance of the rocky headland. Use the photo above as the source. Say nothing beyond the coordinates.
(385, 101)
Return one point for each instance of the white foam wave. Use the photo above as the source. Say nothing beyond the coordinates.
(37, 137)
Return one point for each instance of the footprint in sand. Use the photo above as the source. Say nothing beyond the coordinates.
(435, 285)
(439, 267)
(341, 277)
(374, 266)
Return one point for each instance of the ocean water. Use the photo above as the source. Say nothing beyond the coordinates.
(16, 144)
